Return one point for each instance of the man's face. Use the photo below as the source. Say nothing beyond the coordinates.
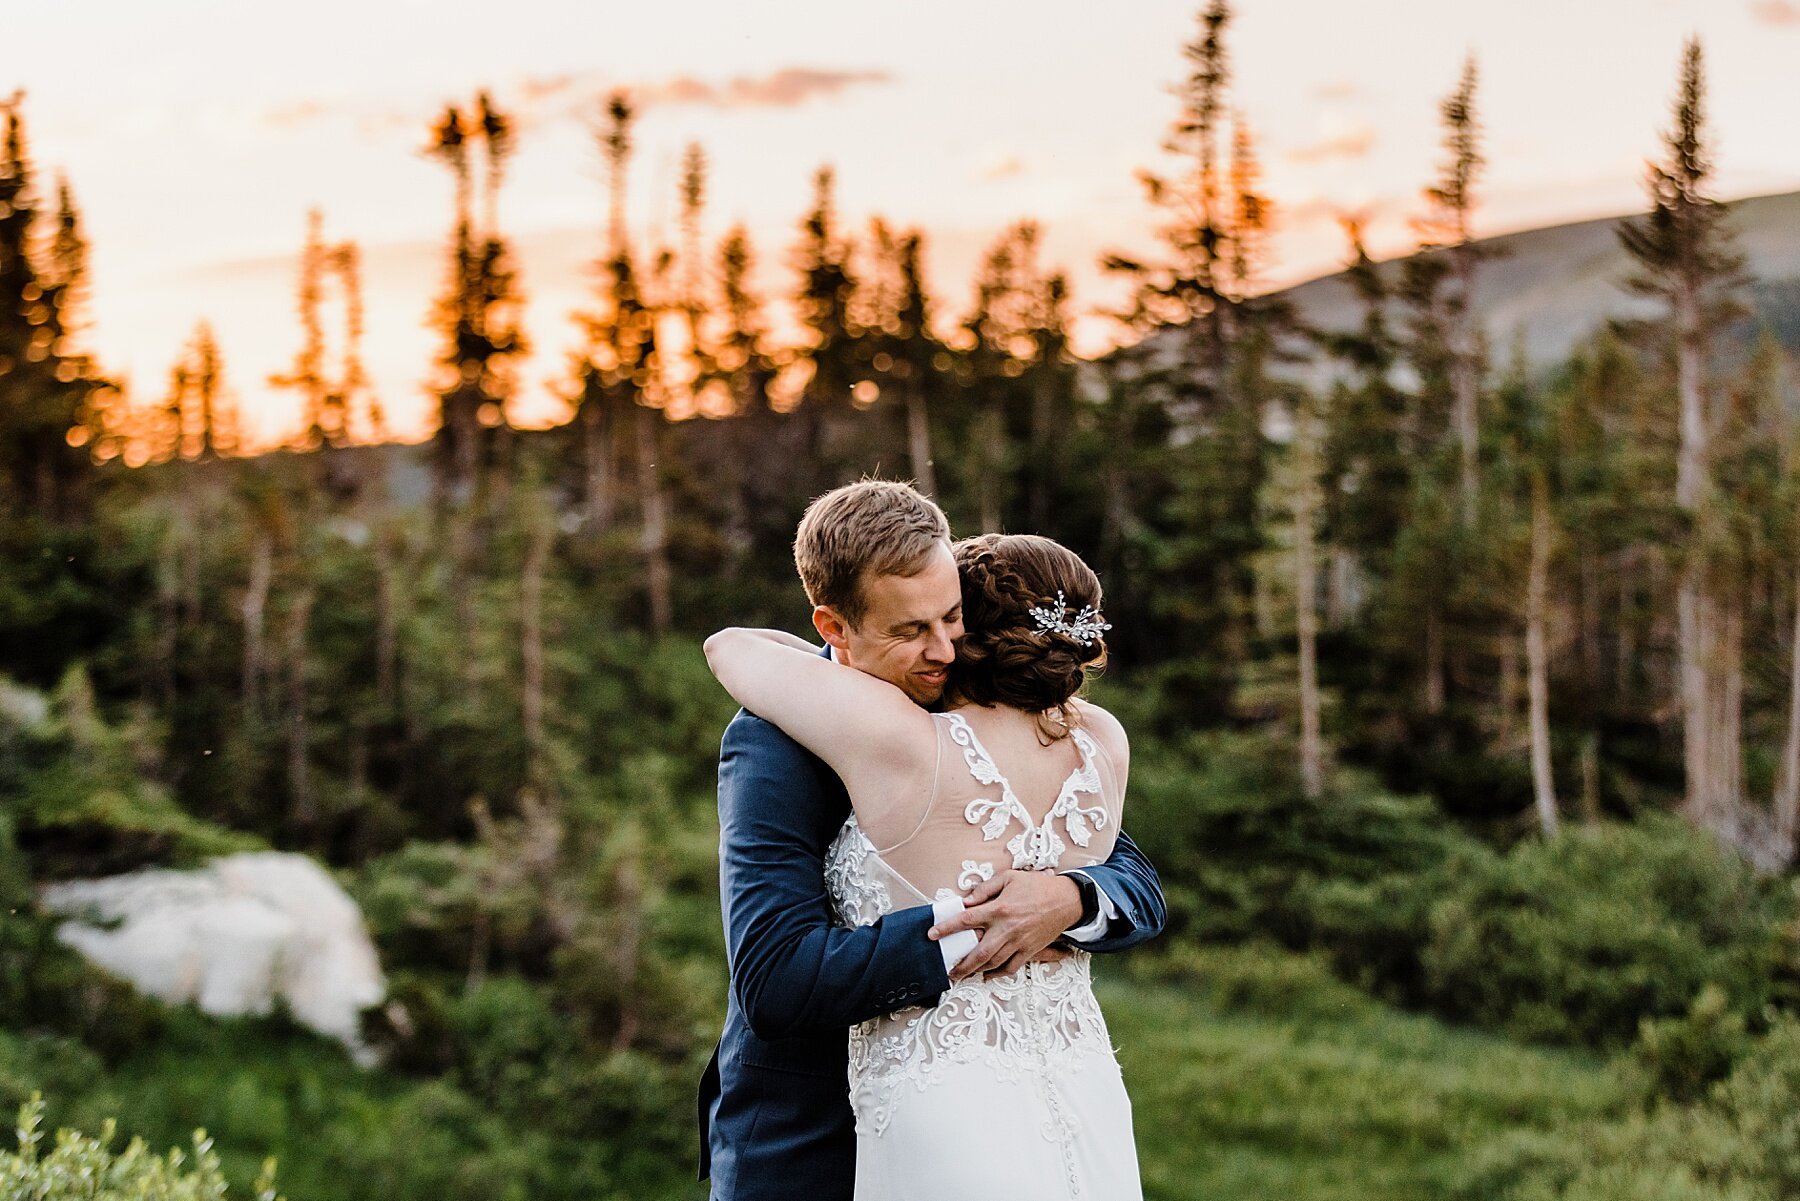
(908, 630)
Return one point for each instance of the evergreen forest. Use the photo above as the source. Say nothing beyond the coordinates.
(1464, 691)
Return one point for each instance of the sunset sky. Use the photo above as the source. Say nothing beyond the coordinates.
(197, 133)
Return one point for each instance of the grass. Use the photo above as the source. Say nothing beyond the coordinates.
(1256, 1075)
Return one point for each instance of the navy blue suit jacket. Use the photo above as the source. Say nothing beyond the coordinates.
(775, 1119)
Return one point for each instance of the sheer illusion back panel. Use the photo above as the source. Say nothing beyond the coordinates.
(1002, 799)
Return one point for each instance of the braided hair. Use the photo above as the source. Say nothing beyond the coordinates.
(1005, 657)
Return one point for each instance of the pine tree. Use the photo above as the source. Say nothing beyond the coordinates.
(197, 418)
(753, 528)
(706, 391)
(833, 346)
(1208, 379)
(621, 378)
(1450, 226)
(480, 307)
(51, 400)
(1367, 459)
(353, 381)
(1686, 258)
(307, 376)
(998, 328)
(893, 310)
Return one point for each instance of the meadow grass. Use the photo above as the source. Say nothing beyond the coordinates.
(1256, 1076)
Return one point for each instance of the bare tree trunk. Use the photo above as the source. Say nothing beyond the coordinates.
(168, 616)
(462, 558)
(1509, 691)
(1727, 740)
(190, 579)
(597, 465)
(387, 618)
(480, 937)
(990, 438)
(1625, 648)
(1044, 463)
(1465, 382)
(1434, 663)
(1537, 655)
(531, 623)
(305, 804)
(918, 437)
(1698, 632)
(1589, 617)
(256, 599)
(1695, 638)
(655, 542)
(1312, 755)
(1590, 778)
(1787, 785)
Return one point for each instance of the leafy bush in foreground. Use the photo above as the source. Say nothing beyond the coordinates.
(82, 1168)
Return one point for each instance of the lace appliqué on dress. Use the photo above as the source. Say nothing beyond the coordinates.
(1029, 1025)
(857, 899)
(1038, 845)
(1032, 1027)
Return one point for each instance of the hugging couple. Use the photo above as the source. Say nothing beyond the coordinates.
(919, 849)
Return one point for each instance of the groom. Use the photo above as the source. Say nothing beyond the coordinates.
(775, 1119)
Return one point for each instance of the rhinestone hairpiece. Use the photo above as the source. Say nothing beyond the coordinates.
(1085, 629)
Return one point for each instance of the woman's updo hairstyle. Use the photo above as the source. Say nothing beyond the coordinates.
(1006, 656)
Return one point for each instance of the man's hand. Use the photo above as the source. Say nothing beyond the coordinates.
(1019, 913)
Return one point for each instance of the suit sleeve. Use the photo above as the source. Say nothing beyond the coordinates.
(792, 971)
(1130, 882)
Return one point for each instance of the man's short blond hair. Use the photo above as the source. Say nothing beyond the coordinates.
(869, 528)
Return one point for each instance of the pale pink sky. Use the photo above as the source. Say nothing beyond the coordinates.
(197, 133)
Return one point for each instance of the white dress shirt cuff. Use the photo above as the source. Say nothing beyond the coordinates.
(1103, 920)
(954, 946)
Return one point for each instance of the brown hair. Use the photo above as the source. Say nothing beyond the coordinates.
(871, 527)
(1005, 658)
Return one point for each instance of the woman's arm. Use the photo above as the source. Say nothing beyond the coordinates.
(866, 729)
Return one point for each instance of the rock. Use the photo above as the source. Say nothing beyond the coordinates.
(232, 937)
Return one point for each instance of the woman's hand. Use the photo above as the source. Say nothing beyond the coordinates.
(1019, 912)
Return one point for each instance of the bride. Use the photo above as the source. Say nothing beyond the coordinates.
(1008, 1086)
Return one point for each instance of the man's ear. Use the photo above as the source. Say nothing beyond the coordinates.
(832, 628)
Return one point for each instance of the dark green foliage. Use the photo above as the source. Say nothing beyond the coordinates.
(1579, 939)
(1245, 854)
(1683, 1057)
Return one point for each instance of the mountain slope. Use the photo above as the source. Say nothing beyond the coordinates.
(1552, 287)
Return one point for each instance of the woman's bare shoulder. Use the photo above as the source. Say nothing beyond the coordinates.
(1104, 728)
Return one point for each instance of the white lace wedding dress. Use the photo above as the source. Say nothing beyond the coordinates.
(1007, 1087)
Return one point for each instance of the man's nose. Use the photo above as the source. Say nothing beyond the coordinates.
(940, 649)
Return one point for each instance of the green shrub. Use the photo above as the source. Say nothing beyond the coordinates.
(1243, 853)
(1578, 939)
(86, 792)
(1742, 1143)
(1680, 1058)
(80, 1167)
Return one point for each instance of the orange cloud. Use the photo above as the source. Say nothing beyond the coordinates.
(1776, 12)
(1354, 142)
(535, 100)
(1005, 168)
(786, 88)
